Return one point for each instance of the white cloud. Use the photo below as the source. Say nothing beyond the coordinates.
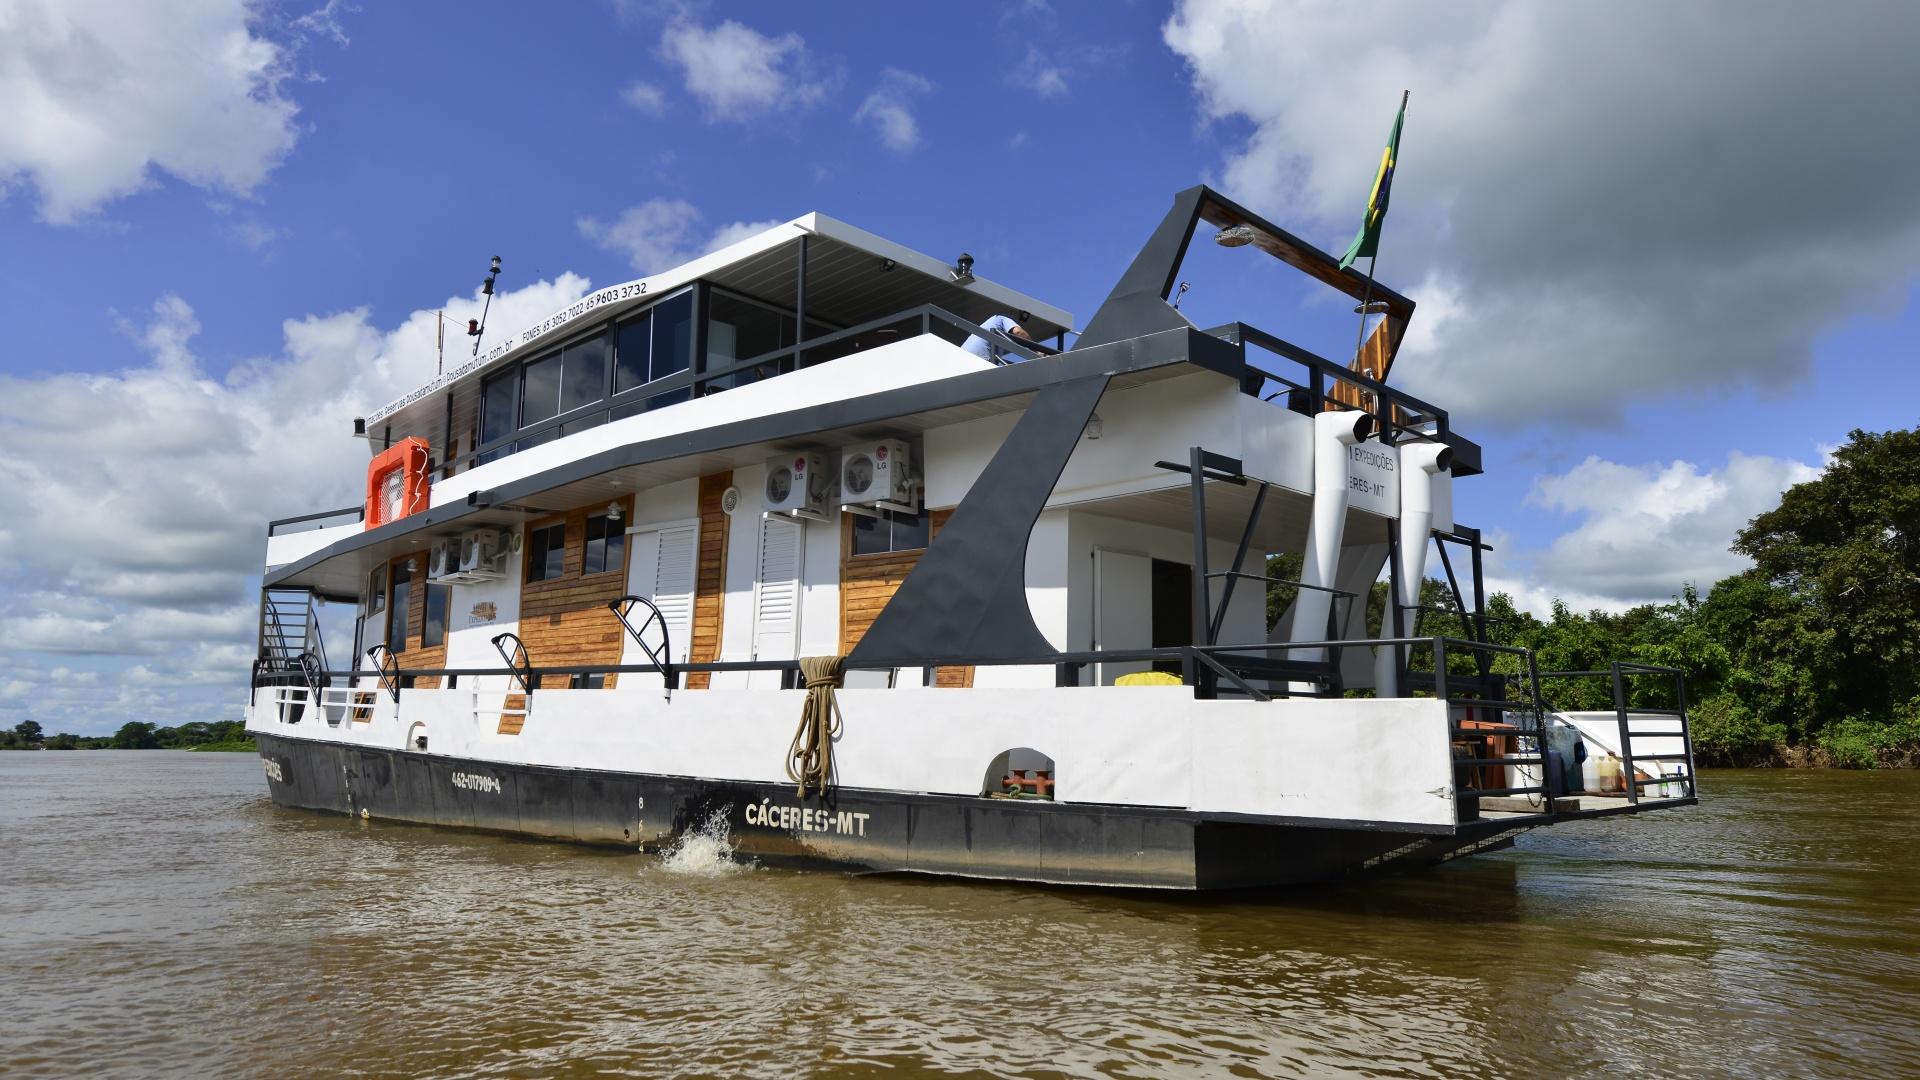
(1640, 532)
(100, 95)
(889, 109)
(1620, 200)
(740, 74)
(662, 233)
(1040, 75)
(148, 491)
(646, 98)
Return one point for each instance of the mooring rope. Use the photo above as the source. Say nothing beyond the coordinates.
(810, 758)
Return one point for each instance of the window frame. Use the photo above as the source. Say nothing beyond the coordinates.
(398, 575)
(853, 533)
(446, 615)
(527, 571)
(613, 533)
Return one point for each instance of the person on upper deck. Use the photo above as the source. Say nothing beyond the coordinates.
(988, 350)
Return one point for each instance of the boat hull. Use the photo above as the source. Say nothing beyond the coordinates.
(850, 830)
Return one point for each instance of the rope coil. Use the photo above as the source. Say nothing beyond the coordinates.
(810, 758)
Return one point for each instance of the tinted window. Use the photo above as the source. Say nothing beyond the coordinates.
(606, 545)
(500, 410)
(439, 599)
(377, 592)
(546, 552)
(540, 391)
(634, 344)
(740, 330)
(889, 532)
(397, 608)
(583, 377)
(672, 336)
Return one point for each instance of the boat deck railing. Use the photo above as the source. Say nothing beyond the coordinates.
(1321, 384)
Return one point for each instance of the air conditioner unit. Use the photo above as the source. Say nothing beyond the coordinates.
(877, 472)
(480, 555)
(800, 484)
(444, 559)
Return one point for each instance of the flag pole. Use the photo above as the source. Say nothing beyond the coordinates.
(1373, 260)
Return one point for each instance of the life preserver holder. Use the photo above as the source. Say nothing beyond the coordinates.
(397, 481)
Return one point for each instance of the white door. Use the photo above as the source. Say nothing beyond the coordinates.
(662, 570)
(1122, 608)
(776, 596)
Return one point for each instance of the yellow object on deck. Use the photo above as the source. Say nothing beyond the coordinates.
(1148, 678)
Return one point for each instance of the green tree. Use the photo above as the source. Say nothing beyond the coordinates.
(134, 735)
(29, 732)
(1846, 547)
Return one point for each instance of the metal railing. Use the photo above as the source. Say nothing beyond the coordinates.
(1397, 412)
(1620, 678)
(276, 528)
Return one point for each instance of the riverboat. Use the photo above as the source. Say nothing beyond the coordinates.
(801, 544)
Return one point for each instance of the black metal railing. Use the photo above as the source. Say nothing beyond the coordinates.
(1397, 413)
(662, 657)
(1620, 680)
(278, 527)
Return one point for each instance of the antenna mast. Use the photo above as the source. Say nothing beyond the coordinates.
(477, 327)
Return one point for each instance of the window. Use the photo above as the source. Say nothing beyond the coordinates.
(656, 345)
(377, 591)
(889, 532)
(434, 632)
(740, 329)
(540, 391)
(583, 373)
(499, 410)
(401, 593)
(606, 545)
(546, 552)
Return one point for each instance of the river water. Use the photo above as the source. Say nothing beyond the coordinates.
(159, 916)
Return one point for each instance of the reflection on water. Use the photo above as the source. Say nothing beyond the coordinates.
(159, 915)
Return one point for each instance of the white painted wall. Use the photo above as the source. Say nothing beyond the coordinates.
(292, 547)
(1370, 760)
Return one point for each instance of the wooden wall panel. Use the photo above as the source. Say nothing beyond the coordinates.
(564, 620)
(868, 582)
(710, 578)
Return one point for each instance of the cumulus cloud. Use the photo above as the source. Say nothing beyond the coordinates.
(1044, 77)
(147, 492)
(662, 233)
(102, 95)
(1617, 199)
(1640, 532)
(739, 74)
(889, 109)
(646, 98)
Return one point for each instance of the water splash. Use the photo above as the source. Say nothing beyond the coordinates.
(705, 850)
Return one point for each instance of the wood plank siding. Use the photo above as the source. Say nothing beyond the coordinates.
(868, 582)
(710, 578)
(564, 620)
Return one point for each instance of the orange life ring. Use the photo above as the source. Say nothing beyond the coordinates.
(397, 481)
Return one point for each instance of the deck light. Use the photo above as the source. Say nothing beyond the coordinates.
(886, 266)
(1377, 307)
(1234, 236)
(963, 269)
(613, 511)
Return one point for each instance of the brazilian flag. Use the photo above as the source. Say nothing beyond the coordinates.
(1367, 240)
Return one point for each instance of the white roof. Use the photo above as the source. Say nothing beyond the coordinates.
(603, 302)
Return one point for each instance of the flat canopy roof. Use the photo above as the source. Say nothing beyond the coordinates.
(852, 276)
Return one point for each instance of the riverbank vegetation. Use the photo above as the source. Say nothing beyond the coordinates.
(135, 735)
(1812, 657)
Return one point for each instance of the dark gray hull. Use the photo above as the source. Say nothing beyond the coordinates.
(849, 830)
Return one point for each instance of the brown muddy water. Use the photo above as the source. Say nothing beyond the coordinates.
(159, 917)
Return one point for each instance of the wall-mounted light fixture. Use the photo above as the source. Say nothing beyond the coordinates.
(613, 511)
(962, 271)
(1234, 236)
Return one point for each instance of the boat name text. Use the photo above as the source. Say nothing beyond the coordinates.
(274, 772)
(774, 816)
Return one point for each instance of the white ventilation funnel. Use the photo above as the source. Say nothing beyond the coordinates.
(1421, 465)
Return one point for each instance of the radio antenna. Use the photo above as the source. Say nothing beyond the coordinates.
(477, 327)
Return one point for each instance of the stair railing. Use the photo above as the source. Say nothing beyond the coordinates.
(662, 657)
(388, 666)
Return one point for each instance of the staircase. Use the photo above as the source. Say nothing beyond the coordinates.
(289, 629)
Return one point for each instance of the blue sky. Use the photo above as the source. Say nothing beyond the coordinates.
(1663, 257)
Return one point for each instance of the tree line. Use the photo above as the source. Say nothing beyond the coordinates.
(133, 735)
(1810, 657)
